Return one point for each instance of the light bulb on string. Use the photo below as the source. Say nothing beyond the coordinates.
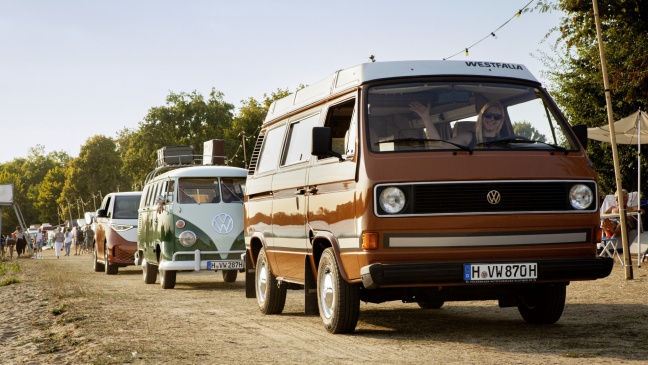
(493, 34)
(467, 52)
(518, 13)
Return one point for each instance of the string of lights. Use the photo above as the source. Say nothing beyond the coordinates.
(253, 136)
(491, 34)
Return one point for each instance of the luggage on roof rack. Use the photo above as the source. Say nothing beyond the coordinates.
(175, 155)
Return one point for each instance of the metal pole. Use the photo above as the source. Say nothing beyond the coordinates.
(638, 189)
(617, 171)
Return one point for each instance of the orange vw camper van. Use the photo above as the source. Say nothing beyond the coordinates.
(425, 182)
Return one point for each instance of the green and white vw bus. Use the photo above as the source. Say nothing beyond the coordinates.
(191, 219)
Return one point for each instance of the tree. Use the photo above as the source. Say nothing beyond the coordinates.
(248, 120)
(98, 168)
(577, 81)
(526, 129)
(186, 120)
(27, 176)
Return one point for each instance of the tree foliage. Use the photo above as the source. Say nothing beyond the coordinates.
(187, 119)
(577, 80)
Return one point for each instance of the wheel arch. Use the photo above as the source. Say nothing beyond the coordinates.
(320, 241)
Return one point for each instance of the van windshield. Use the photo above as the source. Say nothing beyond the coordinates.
(469, 116)
(126, 207)
(208, 190)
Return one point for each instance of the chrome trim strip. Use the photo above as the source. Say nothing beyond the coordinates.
(484, 240)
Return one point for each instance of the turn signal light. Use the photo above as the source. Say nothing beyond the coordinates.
(370, 241)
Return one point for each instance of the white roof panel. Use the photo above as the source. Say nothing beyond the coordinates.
(343, 80)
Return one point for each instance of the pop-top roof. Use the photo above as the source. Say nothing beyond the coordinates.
(346, 79)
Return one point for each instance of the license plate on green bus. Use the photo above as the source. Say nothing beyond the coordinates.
(225, 265)
(487, 273)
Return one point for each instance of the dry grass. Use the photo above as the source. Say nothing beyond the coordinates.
(77, 316)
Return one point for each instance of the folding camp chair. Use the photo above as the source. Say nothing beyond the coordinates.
(609, 248)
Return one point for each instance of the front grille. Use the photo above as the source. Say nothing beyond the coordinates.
(122, 256)
(471, 197)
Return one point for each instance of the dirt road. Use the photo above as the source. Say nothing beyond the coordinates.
(64, 313)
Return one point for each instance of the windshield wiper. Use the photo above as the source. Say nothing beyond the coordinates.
(515, 140)
(400, 140)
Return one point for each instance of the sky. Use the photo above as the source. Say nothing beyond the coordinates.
(70, 70)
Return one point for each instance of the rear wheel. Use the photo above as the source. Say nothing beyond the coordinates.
(338, 301)
(110, 269)
(167, 279)
(271, 296)
(97, 266)
(229, 276)
(432, 304)
(149, 272)
(542, 304)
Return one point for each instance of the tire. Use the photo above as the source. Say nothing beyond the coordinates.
(542, 304)
(229, 276)
(338, 301)
(432, 304)
(149, 273)
(271, 296)
(110, 269)
(97, 266)
(167, 278)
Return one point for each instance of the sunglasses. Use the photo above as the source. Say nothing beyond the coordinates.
(493, 116)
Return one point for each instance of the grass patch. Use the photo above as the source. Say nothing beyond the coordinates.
(8, 272)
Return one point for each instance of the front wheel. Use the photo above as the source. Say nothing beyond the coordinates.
(110, 269)
(97, 266)
(229, 276)
(149, 272)
(338, 301)
(167, 279)
(542, 304)
(271, 296)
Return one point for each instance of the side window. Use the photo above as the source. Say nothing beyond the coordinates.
(299, 140)
(271, 149)
(232, 189)
(145, 196)
(339, 118)
(106, 206)
(169, 188)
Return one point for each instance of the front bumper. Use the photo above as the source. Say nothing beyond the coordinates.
(378, 275)
(197, 263)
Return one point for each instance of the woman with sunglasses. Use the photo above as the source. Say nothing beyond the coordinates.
(490, 123)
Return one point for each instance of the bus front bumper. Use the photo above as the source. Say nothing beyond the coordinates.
(379, 275)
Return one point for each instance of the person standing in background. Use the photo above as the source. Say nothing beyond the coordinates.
(88, 239)
(59, 237)
(20, 241)
(69, 236)
(38, 246)
(78, 241)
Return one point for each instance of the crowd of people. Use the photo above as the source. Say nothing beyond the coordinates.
(63, 239)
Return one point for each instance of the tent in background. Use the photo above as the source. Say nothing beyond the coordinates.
(632, 129)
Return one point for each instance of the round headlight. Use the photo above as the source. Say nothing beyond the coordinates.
(580, 196)
(187, 238)
(392, 200)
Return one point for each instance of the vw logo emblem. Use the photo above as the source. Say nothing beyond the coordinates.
(493, 197)
(223, 223)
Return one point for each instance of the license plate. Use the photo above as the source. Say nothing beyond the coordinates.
(225, 265)
(485, 273)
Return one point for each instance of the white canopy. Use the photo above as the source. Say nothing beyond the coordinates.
(632, 129)
(627, 130)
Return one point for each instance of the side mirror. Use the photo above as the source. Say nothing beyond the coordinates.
(101, 213)
(581, 134)
(322, 143)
